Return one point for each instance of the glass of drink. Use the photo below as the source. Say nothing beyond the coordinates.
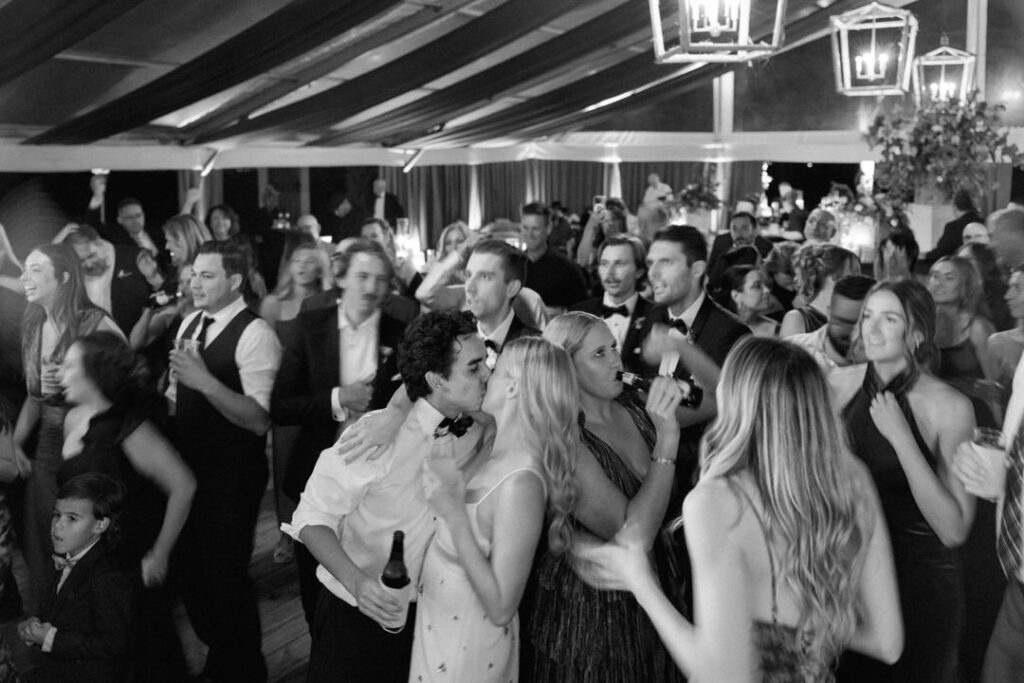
(187, 345)
(991, 445)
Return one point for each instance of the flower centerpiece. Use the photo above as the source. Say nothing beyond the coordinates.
(701, 193)
(942, 147)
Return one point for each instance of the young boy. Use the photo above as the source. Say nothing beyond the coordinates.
(83, 627)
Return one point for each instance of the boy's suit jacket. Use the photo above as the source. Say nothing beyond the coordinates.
(91, 612)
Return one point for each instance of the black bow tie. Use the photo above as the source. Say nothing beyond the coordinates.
(492, 345)
(457, 426)
(609, 311)
(679, 325)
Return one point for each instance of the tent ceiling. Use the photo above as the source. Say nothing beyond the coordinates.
(315, 74)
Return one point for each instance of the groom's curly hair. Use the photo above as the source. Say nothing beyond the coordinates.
(431, 344)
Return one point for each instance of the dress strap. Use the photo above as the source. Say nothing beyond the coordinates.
(768, 547)
(473, 499)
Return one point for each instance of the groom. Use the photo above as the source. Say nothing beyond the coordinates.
(349, 511)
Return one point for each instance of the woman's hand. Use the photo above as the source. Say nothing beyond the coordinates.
(621, 565)
(662, 400)
(443, 483)
(367, 437)
(154, 568)
(889, 419)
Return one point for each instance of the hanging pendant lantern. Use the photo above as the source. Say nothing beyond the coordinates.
(873, 49)
(945, 74)
(715, 30)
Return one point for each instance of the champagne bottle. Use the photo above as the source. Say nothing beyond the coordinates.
(395, 577)
(692, 394)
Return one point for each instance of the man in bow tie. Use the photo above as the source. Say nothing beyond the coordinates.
(112, 277)
(494, 277)
(621, 266)
(338, 363)
(222, 404)
(349, 510)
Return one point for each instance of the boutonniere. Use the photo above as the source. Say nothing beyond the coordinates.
(638, 324)
(385, 352)
(121, 274)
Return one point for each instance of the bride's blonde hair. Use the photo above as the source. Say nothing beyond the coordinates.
(549, 401)
(775, 420)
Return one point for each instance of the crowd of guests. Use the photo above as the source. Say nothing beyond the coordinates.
(625, 451)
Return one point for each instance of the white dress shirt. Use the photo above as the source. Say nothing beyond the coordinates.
(619, 324)
(690, 314)
(257, 354)
(366, 501)
(357, 362)
(497, 336)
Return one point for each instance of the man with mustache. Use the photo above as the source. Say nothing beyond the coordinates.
(620, 266)
(339, 362)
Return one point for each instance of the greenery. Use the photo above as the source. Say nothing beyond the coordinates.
(946, 145)
(700, 193)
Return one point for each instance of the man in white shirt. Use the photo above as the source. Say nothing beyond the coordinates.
(620, 266)
(657, 191)
(340, 362)
(831, 343)
(222, 401)
(348, 512)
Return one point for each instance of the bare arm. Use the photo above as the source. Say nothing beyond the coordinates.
(154, 458)
(603, 509)
(433, 291)
(239, 409)
(518, 516)
(792, 323)
(944, 502)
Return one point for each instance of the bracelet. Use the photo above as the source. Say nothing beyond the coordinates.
(663, 461)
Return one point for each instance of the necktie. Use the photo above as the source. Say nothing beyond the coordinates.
(204, 326)
(1009, 545)
(609, 311)
(679, 325)
(457, 426)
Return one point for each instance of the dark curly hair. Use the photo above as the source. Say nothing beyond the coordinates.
(112, 366)
(431, 344)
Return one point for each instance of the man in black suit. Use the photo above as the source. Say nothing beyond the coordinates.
(340, 362)
(494, 276)
(952, 233)
(676, 266)
(385, 205)
(620, 266)
(112, 277)
(742, 233)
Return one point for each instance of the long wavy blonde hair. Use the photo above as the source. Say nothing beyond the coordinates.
(549, 401)
(776, 422)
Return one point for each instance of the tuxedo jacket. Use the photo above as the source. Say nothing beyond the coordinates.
(714, 330)
(632, 345)
(129, 291)
(310, 369)
(91, 612)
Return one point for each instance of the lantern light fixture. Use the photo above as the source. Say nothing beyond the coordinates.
(873, 50)
(945, 74)
(714, 30)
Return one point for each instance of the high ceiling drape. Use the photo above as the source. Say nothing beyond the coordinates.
(33, 31)
(284, 35)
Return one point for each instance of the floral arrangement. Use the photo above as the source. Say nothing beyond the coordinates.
(700, 193)
(944, 144)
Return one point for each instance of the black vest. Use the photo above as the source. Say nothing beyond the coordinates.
(207, 440)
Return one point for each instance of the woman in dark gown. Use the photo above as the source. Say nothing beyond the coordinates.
(112, 430)
(905, 425)
(573, 632)
(790, 556)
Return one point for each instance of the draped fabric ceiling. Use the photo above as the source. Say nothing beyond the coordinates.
(332, 82)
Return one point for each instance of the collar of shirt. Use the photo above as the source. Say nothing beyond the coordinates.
(629, 303)
(81, 553)
(427, 417)
(690, 314)
(500, 332)
(220, 319)
(345, 323)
